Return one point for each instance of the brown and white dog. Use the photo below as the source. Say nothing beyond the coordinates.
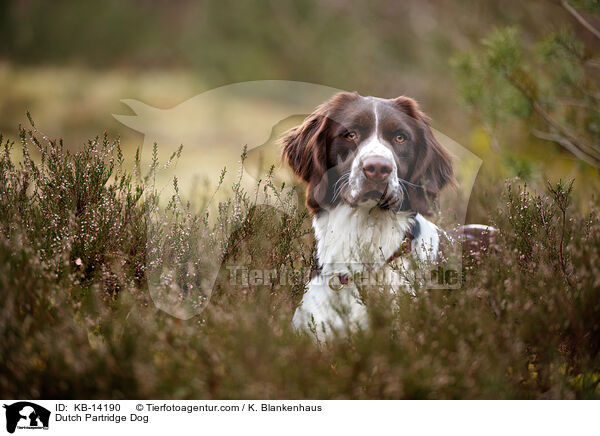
(373, 169)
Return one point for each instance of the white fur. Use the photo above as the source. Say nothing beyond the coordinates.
(352, 239)
(372, 147)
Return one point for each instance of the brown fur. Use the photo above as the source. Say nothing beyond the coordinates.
(311, 149)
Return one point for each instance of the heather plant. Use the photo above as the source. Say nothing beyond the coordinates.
(77, 319)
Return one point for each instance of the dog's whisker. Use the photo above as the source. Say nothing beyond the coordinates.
(402, 181)
(340, 184)
(344, 182)
(404, 188)
(339, 190)
(344, 176)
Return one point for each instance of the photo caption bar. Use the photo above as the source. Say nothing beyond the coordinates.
(23, 417)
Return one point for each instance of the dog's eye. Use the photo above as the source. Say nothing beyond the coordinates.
(399, 139)
(351, 136)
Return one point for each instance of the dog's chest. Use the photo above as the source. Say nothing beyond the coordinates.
(349, 238)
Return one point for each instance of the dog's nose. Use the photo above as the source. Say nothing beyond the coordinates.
(377, 169)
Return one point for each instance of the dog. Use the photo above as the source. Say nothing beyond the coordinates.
(373, 171)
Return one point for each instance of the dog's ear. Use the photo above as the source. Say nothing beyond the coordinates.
(305, 151)
(432, 169)
(301, 145)
(305, 148)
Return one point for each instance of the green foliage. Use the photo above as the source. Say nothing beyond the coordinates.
(483, 82)
(503, 50)
(553, 87)
(76, 319)
(588, 5)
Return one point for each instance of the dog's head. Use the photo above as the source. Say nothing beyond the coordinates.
(368, 152)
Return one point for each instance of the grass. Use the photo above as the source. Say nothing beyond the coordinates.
(82, 237)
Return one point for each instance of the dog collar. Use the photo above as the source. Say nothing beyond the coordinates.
(339, 281)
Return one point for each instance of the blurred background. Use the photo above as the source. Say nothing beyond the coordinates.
(85, 264)
(70, 62)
